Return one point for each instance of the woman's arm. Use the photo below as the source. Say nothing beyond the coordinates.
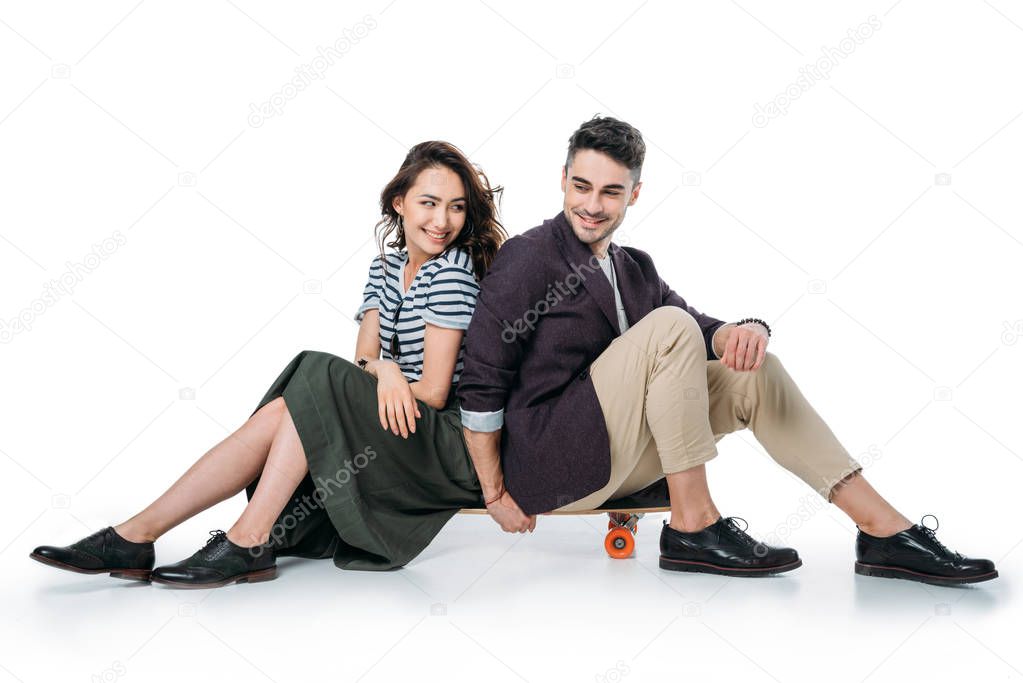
(368, 343)
(395, 401)
(440, 354)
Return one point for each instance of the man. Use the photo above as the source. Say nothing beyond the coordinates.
(587, 379)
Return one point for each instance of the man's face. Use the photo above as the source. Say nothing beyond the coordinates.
(598, 191)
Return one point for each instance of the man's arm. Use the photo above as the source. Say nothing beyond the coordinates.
(485, 451)
(494, 345)
(499, 334)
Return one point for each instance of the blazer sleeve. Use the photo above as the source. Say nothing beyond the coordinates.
(708, 324)
(501, 329)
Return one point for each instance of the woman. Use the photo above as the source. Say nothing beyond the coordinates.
(363, 462)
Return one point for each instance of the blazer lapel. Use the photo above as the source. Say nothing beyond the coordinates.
(585, 264)
(631, 285)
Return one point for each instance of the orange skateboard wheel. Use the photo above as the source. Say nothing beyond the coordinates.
(619, 543)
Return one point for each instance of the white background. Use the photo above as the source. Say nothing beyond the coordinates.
(876, 225)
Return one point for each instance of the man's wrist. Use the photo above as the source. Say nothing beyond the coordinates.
(492, 490)
(761, 324)
(762, 329)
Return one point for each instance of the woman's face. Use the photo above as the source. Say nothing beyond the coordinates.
(433, 211)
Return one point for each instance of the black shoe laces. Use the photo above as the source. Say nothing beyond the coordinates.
(740, 532)
(934, 539)
(215, 535)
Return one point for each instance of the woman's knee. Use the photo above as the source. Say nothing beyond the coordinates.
(277, 407)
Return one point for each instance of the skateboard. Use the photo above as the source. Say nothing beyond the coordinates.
(622, 524)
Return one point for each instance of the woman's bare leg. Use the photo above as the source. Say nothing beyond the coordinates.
(222, 472)
(865, 506)
(285, 468)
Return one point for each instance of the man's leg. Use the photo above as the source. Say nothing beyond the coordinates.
(772, 406)
(733, 396)
(652, 386)
(666, 406)
(769, 403)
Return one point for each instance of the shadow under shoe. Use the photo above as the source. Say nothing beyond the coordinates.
(916, 554)
(102, 552)
(723, 548)
(219, 563)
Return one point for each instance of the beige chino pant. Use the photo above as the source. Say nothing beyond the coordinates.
(666, 406)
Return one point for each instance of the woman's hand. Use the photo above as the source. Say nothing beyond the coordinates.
(396, 403)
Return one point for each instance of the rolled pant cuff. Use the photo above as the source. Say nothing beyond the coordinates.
(831, 485)
(674, 464)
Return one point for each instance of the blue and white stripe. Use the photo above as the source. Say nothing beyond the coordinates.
(443, 293)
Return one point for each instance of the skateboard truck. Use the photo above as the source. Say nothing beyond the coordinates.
(620, 541)
(623, 522)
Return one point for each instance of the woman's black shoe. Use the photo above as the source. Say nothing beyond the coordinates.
(219, 563)
(100, 553)
(917, 555)
(723, 548)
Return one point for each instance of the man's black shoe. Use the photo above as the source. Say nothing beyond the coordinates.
(917, 555)
(219, 563)
(102, 552)
(723, 548)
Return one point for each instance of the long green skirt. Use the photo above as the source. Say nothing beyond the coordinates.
(371, 500)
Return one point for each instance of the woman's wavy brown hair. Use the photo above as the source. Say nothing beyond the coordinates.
(482, 233)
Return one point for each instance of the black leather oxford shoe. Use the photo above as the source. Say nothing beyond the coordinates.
(103, 552)
(917, 555)
(723, 548)
(219, 563)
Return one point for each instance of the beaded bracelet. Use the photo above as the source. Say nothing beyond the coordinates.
(756, 320)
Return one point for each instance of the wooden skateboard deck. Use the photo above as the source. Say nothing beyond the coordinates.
(623, 523)
(601, 511)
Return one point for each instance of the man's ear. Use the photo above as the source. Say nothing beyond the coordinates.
(635, 193)
(564, 178)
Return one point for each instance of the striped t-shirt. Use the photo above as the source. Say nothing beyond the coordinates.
(443, 293)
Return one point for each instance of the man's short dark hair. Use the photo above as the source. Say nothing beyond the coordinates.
(615, 138)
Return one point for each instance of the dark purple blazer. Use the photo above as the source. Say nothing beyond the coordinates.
(544, 313)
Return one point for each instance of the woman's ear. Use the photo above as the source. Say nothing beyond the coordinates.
(398, 203)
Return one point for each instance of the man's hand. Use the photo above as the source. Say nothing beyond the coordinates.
(506, 512)
(484, 449)
(745, 347)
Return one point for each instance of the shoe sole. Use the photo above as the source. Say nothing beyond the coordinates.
(707, 568)
(887, 572)
(129, 574)
(252, 577)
